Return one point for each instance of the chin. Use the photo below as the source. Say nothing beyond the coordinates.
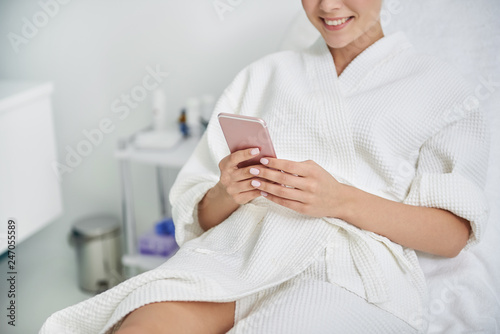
(336, 43)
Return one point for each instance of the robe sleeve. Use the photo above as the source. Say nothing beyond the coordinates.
(193, 181)
(201, 171)
(451, 172)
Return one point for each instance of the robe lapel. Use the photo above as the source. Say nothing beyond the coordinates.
(336, 128)
(362, 68)
(332, 93)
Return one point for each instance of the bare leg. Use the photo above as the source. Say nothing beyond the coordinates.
(180, 317)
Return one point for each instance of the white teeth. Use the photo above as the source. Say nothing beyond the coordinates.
(336, 22)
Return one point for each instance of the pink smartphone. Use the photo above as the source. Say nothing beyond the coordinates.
(243, 132)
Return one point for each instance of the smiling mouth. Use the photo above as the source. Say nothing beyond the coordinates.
(337, 22)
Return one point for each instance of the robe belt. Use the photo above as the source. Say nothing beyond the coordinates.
(367, 264)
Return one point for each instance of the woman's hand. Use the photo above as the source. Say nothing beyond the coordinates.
(234, 188)
(301, 186)
(234, 181)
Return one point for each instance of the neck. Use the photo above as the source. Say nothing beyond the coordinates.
(345, 55)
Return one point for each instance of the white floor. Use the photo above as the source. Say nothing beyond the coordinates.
(46, 279)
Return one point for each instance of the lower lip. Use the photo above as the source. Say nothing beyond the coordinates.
(337, 27)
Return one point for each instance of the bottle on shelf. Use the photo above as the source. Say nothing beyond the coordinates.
(160, 111)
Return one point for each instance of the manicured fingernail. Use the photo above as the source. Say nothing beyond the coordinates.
(255, 183)
(255, 151)
(254, 171)
(263, 193)
(264, 161)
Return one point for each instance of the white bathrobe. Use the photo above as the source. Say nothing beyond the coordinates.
(396, 124)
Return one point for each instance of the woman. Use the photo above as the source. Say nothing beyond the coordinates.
(382, 153)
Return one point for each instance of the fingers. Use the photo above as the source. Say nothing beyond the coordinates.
(291, 198)
(278, 190)
(242, 155)
(245, 184)
(288, 166)
(236, 181)
(279, 177)
(236, 187)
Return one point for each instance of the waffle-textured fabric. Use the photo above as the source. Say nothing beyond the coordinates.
(396, 124)
(309, 303)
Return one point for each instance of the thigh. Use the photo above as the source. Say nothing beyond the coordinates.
(307, 306)
(180, 317)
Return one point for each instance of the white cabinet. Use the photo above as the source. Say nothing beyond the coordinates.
(29, 187)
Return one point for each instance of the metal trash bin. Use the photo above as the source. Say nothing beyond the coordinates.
(98, 251)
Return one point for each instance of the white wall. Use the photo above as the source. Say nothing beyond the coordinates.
(94, 51)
